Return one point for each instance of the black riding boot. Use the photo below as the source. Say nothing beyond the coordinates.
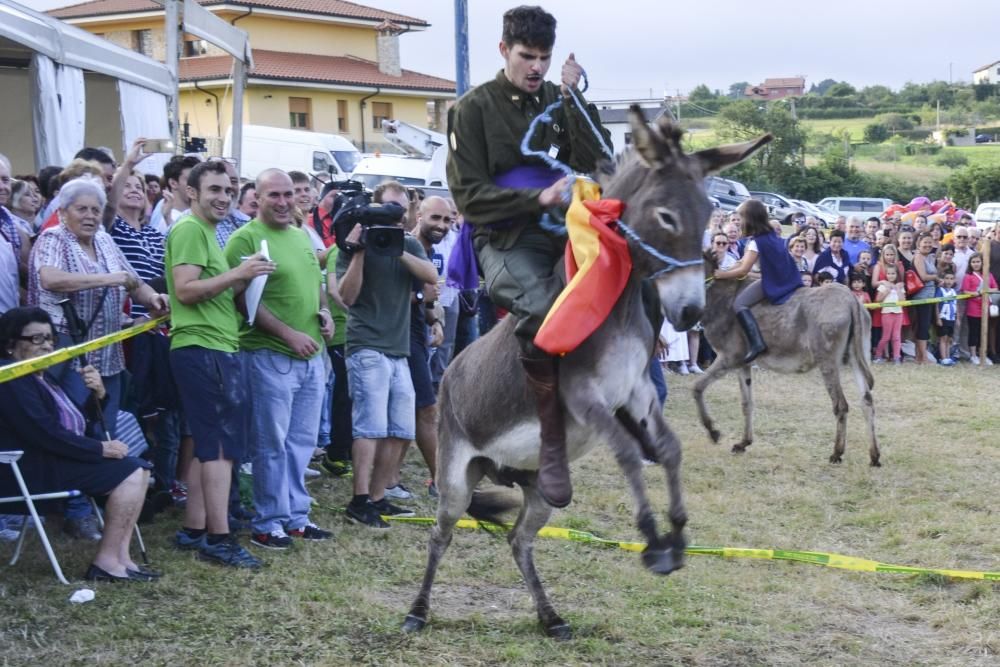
(553, 464)
(755, 343)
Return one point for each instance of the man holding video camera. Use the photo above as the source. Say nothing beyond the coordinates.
(375, 271)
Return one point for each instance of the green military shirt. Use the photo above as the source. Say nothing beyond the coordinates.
(485, 130)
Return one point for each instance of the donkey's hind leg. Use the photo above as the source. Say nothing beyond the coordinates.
(534, 515)
(868, 406)
(831, 378)
(712, 373)
(455, 494)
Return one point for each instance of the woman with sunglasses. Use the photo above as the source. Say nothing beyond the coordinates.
(38, 417)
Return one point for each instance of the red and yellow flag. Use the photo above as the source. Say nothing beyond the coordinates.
(598, 265)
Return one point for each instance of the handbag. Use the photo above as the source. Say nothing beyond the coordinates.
(468, 301)
(913, 282)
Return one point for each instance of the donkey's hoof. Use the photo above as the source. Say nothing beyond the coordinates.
(661, 561)
(739, 447)
(714, 434)
(560, 631)
(413, 624)
(835, 458)
(876, 463)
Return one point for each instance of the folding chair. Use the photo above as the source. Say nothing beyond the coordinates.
(138, 533)
(10, 458)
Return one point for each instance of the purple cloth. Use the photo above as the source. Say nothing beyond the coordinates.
(69, 416)
(462, 270)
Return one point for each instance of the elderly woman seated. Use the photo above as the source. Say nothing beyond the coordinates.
(37, 416)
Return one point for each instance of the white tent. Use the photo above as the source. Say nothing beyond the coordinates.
(65, 88)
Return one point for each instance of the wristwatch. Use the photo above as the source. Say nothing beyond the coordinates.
(419, 296)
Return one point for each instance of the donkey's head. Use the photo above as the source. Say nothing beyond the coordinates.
(667, 208)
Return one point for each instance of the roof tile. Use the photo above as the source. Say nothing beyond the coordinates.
(339, 8)
(281, 65)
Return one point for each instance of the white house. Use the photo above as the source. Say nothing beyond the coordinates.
(614, 116)
(987, 73)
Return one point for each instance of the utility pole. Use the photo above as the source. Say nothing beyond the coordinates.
(172, 30)
(461, 47)
(678, 106)
(939, 115)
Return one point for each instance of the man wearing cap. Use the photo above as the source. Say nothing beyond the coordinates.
(503, 194)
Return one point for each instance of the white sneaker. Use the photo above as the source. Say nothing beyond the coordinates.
(988, 362)
(682, 368)
(311, 474)
(974, 359)
(696, 369)
(398, 492)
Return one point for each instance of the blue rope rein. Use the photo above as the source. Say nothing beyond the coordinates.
(546, 222)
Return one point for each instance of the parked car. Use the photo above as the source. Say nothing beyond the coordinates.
(406, 170)
(729, 193)
(861, 206)
(824, 215)
(983, 138)
(988, 214)
(778, 206)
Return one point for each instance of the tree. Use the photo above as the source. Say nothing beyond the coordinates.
(895, 122)
(779, 161)
(973, 185)
(701, 93)
(841, 89)
(876, 133)
(738, 90)
(821, 87)
(875, 96)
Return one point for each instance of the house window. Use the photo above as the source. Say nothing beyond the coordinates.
(142, 42)
(342, 116)
(380, 111)
(300, 113)
(195, 47)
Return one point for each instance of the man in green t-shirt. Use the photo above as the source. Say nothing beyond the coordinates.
(203, 356)
(287, 376)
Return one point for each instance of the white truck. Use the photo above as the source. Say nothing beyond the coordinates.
(422, 165)
(294, 150)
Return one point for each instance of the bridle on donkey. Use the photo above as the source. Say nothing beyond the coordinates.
(669, 263)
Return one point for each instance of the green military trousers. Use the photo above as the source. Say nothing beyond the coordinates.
(524, 278)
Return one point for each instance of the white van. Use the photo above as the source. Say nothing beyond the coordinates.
(410, 171)
(863, 207)
(988, 214)
(293, 150)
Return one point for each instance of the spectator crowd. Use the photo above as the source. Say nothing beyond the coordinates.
(284, 354)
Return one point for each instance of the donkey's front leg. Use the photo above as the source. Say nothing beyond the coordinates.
(746, 403)
(712, 373)
(586, 410)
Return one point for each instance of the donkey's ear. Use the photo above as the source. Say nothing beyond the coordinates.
(644, 139)
(714, 160)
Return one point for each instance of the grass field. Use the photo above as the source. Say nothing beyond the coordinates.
(934, 504)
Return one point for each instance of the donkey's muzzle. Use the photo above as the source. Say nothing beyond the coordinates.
(690, 314)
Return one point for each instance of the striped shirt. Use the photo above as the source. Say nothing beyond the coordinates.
(143, 248)
(229, 224)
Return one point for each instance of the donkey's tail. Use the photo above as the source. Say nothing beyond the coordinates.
(859, 339)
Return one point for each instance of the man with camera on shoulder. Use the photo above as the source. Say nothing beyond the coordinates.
(375, 276)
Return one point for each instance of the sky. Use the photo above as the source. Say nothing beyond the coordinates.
(643, 48)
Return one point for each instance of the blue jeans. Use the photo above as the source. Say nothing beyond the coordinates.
(383, 396)
(167, 434)
(441, 355)
(286, 395)
(326, 410)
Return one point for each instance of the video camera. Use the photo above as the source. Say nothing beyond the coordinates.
(381, 233)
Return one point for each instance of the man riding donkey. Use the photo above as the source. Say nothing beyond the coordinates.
(504, 195)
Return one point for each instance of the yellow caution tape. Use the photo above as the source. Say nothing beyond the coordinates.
(920, 302)
(814, 557)
(35, 364)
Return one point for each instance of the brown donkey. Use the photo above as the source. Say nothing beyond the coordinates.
(819, 327)
(488, 423)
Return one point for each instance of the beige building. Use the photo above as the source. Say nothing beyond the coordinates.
(321, 65)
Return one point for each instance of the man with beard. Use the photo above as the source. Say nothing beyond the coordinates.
(433, 222)
(504, 194)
